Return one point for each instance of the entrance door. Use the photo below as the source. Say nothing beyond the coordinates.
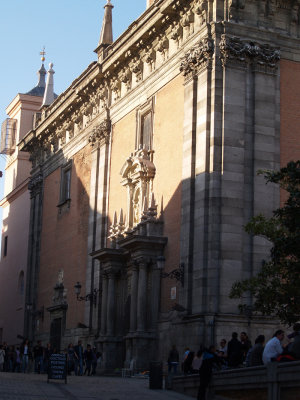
(55, 334)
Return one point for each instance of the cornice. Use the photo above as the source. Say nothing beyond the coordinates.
(163, 32)
(18, 191)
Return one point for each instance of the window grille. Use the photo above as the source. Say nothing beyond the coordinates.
(8, 136)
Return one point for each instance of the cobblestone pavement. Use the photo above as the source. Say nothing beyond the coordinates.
(35, 387)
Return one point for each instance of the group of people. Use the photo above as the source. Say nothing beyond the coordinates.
(20, 358)
(78, 358)
(238, 352)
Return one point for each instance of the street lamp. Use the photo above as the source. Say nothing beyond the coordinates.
(177, 273)
(92, 297)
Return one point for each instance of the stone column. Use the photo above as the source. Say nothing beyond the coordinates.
(111, 304)
(104, 305)
(142, 300)
(155, 298)
(133, 301)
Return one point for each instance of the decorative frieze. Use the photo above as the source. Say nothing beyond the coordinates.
(198, 57)
(236, 49)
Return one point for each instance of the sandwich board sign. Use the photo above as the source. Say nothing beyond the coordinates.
(57, 368)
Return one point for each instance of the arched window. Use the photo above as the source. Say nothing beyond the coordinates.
(21, 283)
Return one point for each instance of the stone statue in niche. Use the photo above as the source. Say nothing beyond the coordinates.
(138, 173)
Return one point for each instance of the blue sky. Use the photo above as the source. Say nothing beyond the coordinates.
(69, 30)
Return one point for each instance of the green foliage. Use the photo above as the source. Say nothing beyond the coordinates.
(276, 288)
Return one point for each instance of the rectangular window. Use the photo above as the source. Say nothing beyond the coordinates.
(5, 246)
(65, 183)
(146, 130)
(145, 126)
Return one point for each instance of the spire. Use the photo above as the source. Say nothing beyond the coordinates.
(39, 89)
(106, 36)
(49, 91)
(42, 71)
(41, 77)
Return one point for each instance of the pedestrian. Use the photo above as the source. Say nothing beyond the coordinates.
(173, 360)
(71, 358)
(2, 355)
(185, 354)
(234, 351)
(255, 354)
(294, 347)
(205, 372)
(94, 361)
(78, 353)
(197, 361)
(25, 353)
(38, 353)
(11, 358)
(6, 358)
(88, 358)
(273, 347)
(17, 364)
(246, 344)
(47, 354)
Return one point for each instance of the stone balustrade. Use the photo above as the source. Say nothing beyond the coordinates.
(276, 381)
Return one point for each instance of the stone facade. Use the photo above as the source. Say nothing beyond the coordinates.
(171, 125)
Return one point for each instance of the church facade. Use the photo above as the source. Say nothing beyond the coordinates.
(144, 174)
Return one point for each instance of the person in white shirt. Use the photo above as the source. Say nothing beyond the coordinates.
(273, 348)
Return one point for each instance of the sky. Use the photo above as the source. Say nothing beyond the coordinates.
(69, 30)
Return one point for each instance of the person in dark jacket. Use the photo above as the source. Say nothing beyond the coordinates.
(255, 356)
(187, 364)
(234, 351)
(78, 358)
(246, 344)
(294, 347)
(205, 372)
(38, 353)
(88, 358)
(173, 360)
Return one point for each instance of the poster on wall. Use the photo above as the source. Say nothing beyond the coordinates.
(57, 368)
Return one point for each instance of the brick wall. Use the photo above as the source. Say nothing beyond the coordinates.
(64, 239)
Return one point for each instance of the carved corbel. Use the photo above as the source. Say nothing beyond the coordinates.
(125, 76)
(271, 7)
(295, 13)
(149, 56)
(68, 125)
(198, 57)
(176, 32)
(200, 8)
(77, 118)
(115, 86)
(136, 66)
(186, 19)
(61, 135)
(162, 45)
(103, 95)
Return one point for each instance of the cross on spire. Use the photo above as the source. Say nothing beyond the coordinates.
(43, 53)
